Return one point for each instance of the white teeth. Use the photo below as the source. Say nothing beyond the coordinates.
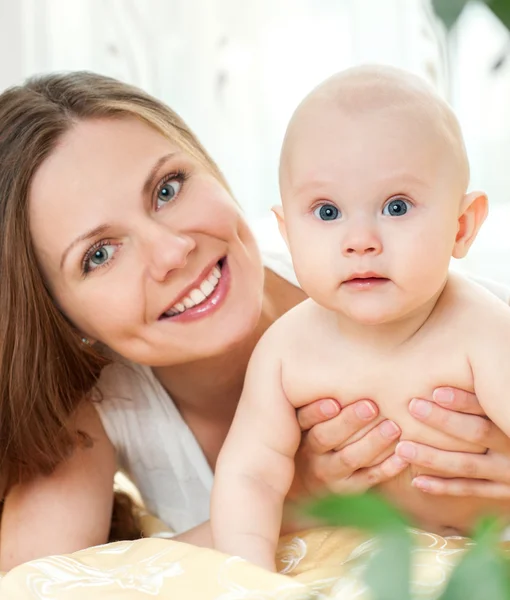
(197, 295)
(188, 302)
(207, 288)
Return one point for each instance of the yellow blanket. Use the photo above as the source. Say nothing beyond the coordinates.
(323, 563)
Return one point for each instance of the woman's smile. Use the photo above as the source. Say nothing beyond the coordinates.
(203, 296)
(176, 251)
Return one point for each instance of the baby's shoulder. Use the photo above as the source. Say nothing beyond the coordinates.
(293, 327)
(466, 302)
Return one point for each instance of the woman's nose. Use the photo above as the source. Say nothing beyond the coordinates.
(165, 249)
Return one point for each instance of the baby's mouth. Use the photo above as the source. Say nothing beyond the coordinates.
(365, 280)
(198, 294)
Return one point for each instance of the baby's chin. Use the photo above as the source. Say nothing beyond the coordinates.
(372, 314)
(373, 320)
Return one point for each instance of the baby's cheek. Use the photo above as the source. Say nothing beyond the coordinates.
(316, 279)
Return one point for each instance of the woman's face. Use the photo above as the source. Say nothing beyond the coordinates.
(142, 248)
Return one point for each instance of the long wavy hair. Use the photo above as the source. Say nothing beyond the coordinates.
(45, 369)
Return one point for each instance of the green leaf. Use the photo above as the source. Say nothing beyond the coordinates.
(488, 531)
(388, 570)
(365, 511)
(483, 572)
(449, 10)
(501, 8)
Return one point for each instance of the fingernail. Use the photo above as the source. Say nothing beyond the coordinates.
(422, 485)
(399, 462)
(406, 450)
(389, 429)
(444, 396)
(364, 410)
(329, 408)
(420, 408)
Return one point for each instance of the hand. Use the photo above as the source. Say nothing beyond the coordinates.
(355, 467)
(459, 414)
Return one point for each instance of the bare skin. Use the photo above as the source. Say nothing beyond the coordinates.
(374, 206)
(317, 358)
(145, 248)
(95, 177)
(69, 509)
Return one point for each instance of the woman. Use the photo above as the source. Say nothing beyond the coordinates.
(121, 243)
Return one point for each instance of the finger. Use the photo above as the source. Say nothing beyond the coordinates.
(386, 470)
(497, 441)
(364, 479)
(469, 428)
(335, 432)
(341, 464)
(317, 412)
(462, 487)
(492, 466)
(458, 400)
(366, 451)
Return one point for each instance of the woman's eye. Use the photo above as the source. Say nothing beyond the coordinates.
(396, 207)
(99, 257)
(168, 191)
(327, 212)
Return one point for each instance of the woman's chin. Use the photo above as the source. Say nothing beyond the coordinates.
(222, 337)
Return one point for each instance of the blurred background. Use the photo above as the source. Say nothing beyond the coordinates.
(235, 71)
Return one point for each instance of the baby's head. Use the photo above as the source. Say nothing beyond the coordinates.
(373, 179)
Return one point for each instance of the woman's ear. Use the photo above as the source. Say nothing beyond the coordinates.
(474, 210)
(278, 211)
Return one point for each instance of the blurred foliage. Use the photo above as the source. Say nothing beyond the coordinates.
(450, 10)
(483, 573)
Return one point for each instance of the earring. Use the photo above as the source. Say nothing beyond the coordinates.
(85, 341)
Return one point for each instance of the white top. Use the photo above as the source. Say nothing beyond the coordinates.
(154, 446)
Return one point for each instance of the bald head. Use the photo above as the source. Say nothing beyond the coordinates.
(388, 93)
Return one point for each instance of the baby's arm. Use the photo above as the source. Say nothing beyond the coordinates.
(67, 510)
(255, 468)
(490, 362)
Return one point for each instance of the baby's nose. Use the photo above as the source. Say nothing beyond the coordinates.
(361, 242)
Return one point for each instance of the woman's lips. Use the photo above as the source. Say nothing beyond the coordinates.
(210, 304)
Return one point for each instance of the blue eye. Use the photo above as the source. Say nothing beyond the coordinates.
(98, 257)
(327, 212)
(396, 207)
(168, 191)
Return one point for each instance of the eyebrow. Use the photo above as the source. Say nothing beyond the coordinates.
(149, 182)
(85, 236)
(101, 229)
(314, 184)
(408, 178)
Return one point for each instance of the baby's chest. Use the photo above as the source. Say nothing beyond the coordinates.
(391, 379)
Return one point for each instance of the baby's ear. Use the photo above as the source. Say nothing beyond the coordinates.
(278, 211)
(473, 212)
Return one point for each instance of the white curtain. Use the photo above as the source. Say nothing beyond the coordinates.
(235, 71)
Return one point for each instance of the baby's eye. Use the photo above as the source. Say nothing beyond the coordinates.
(168, 191)
(396, 207)
(327, 212)
(98, 257)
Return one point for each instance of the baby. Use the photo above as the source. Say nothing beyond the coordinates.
(373, 179)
